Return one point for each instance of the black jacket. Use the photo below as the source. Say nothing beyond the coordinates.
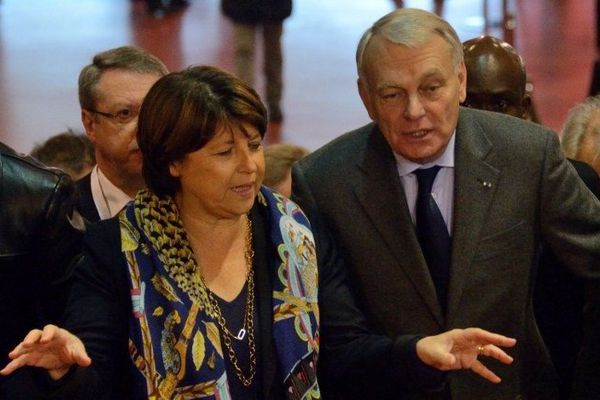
(347, 346)
(85, 200)
(257, 11)
(559, 301)
(37, 243)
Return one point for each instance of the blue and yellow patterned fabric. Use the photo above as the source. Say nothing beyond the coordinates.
(175, 343)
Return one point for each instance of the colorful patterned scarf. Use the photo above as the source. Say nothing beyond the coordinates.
(174, 342)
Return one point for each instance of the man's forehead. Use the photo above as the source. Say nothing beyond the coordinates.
(399, 80)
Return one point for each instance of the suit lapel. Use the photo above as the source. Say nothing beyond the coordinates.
(85, 201)
(384, 202)
(475, 182)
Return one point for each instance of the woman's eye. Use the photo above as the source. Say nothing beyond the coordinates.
(224, 152)
(255, 146)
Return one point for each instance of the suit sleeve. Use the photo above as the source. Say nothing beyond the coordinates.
(97, 313)
(569, 214)
(588, 175)
(348, 346)
(59, 244)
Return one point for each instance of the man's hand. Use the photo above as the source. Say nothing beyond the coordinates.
(459, 349)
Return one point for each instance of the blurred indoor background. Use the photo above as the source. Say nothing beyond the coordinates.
(45, 43)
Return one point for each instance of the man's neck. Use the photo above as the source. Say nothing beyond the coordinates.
(130, 185)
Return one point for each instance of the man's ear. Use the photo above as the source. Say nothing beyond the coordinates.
(363, 91)
(462, 82)
(87, 119)
(529, 113)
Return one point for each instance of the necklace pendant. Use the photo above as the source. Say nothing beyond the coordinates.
(241, 334)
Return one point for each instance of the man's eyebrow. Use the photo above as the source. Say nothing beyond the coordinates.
(389, 85)
(434, 73)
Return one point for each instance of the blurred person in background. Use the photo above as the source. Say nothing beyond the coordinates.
(279, 159)
(68, 151)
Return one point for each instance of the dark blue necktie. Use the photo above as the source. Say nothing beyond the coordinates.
(433, 234)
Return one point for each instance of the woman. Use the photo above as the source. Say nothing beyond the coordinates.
(206, 284)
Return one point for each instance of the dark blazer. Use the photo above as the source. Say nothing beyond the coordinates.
(559, 301)
(101, 284)
(585, 369)
(85, 201)
(513, 188)
(37, 243)
(586, 384)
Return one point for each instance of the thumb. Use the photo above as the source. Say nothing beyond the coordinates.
(81, 358)
(446, 360)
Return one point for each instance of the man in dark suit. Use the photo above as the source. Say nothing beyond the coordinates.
(497, 82)
(503, 186)
(37, 243)
(580, 140)
(111, 90)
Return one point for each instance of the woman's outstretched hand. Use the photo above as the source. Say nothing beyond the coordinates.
(52, 348)
(460, 348)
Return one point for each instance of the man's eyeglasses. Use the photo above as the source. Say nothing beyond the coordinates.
(123, 116)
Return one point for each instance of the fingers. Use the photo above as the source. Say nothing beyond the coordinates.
(31, 339)
(485, 372)
(83, 360)
(12, 366)
(478, 335)
(49, 333)
(80, 356)
(52, 348)
(495, 352)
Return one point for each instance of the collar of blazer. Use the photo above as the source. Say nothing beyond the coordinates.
(475, 183)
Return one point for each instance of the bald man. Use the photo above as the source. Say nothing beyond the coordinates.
(496, 81)
(496, 77)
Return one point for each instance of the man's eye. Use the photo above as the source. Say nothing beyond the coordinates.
(502, 105)
(430, 90)
(390, 96)
(126, 114)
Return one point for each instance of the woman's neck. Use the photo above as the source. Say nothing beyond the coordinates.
(219, 247)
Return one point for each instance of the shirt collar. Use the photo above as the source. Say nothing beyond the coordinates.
(446, 159)
(108, 194)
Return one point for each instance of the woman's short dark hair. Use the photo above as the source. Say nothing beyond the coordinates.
(183, 111)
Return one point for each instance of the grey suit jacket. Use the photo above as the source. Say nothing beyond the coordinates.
(513, 189)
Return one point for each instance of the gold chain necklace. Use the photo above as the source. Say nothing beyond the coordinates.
(248, 325)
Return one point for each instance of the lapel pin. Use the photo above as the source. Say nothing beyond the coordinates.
(485, 184)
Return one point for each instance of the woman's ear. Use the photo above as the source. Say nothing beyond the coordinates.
(174, 169)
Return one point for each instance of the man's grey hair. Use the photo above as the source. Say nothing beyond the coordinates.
(577, 123)
(409, 27)
(127, 58)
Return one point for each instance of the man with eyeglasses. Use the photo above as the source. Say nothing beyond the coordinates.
(111, 91)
